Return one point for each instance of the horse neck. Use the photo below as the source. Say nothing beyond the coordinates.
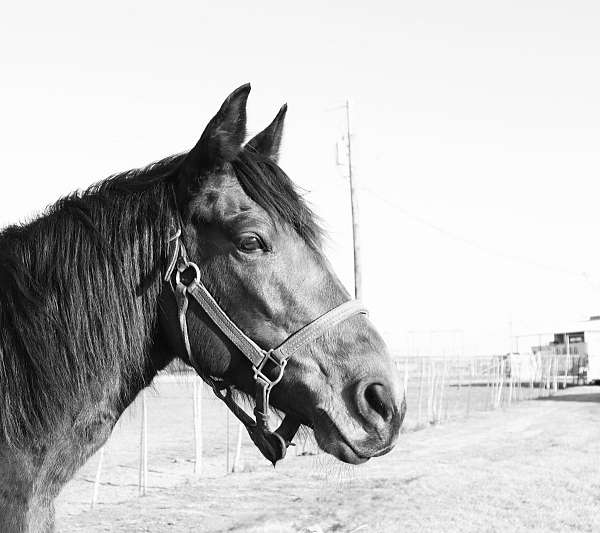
(79, 293)
(78, 307)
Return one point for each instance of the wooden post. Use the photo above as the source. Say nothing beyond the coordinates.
(197, 413)
(97, 478)
(354, 206)
(143, 474)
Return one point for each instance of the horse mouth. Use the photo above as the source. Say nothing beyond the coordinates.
(334, 441)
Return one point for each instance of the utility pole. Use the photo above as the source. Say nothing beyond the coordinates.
(354, 204)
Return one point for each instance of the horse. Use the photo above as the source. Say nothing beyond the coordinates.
(210, 256)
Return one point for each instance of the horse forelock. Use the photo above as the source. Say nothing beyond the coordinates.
(270, 187)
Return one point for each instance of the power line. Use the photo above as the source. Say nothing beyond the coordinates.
(481, 247)
(582, 276)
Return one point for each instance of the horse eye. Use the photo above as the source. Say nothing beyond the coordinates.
(250, 243)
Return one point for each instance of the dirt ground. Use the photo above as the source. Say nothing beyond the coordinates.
(533, 467)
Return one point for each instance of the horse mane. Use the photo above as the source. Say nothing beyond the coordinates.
(80, 286)
(79, 293)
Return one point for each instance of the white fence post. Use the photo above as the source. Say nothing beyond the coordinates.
(420, 398)
(406, 377)
(97, 478)
(143, 474)
(471, 378)
(499, 383)
(197, 413)
(227, 469)
(238, 449)
(430, 397)
(440, 410)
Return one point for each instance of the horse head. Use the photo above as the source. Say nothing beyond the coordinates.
(256, 247)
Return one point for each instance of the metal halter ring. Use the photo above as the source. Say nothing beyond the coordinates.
(183, 268)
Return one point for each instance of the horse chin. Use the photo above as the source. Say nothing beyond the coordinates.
(343, 451)
(332, 440)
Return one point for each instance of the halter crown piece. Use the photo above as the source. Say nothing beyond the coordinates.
(184, 278)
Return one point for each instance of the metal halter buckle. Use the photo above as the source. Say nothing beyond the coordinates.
(260, 375)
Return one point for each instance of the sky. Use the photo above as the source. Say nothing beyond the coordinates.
(475, 130)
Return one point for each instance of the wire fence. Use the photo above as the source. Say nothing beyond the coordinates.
(195, 426)
(437, 388)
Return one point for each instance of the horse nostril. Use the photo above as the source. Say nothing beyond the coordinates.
(378, 399)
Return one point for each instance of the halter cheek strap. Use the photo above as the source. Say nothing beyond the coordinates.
(188, 283)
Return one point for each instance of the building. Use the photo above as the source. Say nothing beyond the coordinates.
(581, 340)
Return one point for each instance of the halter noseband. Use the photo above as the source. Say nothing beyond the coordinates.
(184, 278)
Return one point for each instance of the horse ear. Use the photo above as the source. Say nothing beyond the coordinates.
(222, 138)
(267, 142)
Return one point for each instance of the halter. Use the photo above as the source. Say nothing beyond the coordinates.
(184, 278)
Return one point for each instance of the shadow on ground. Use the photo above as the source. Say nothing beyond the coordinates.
(590, 398)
